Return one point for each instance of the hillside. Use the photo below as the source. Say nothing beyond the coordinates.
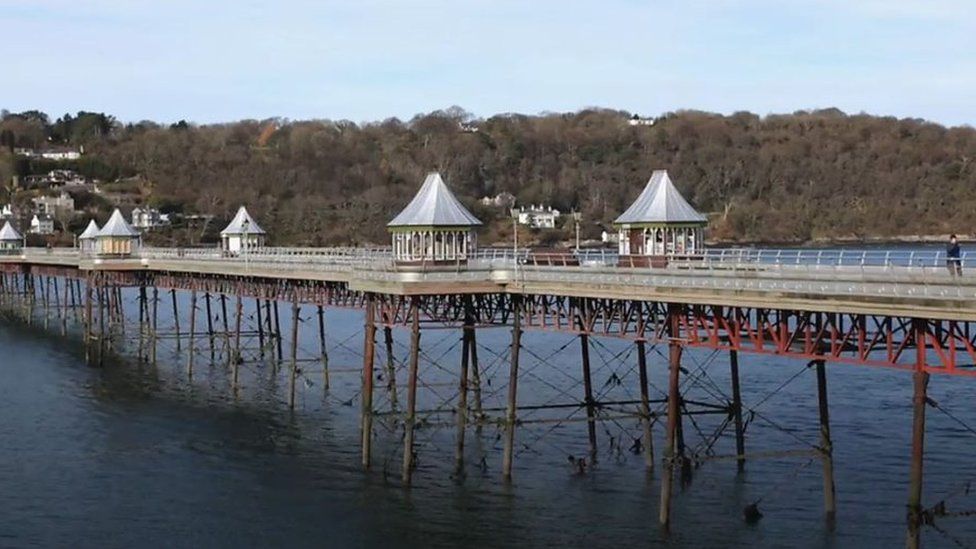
(796, 178)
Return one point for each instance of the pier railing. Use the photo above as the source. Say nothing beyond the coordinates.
(380, 259)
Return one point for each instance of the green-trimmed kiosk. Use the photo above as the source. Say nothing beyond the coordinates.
(660, 224)
(434, 228)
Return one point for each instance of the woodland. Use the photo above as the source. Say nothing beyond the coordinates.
(809, 176)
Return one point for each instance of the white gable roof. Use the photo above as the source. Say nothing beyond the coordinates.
(660, 202)
(9, 234)
(237, 224)
(90, 232)
(117, 226)
(434, 205)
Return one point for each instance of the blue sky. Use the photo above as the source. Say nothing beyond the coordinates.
(221, 60)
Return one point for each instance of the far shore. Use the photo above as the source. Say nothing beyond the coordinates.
(844, 241)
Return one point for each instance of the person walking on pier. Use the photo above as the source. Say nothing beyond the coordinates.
(953, 257)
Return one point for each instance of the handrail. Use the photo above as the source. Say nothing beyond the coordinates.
(790, 262)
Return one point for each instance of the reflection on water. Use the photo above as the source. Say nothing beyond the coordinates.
(136, 455)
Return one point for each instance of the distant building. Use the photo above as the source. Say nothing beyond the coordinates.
(149, 218)
(87, 240)
(54, 179)
(7, 212)
(500, 200)
(636, 120)
(10, 239)
(63, 204)
(467, 127)
(538, 217)
(51, 153)
(242, 233)
(117, 238)
(42, 224)
(69, 178)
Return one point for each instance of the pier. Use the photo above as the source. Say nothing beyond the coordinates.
(868, 309)
(660, 294)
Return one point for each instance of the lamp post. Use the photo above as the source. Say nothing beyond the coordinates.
(515, 220)
(577, 216)
(244, 243)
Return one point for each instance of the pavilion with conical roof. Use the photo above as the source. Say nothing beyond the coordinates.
(660, 223)
(116, 238)
(434, 226)
(10, 239)
(242, 233)
(86, 240)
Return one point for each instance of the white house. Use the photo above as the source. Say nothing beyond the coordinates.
(538, 217)
(242, 233)
(42, 224)
(86, 240)
(10, 239)
(52, 205)
(60, 154)
(500, 200)
(636, 120)
(148, 218)
(6, 212)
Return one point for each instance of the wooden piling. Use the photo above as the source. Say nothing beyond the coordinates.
(154, 325)
(508, 456)
(62, 308)
(323, 350)
(121, 310)
(366, 410)
(740, 441)
(826, 446)
(475, 378)
(462, 406)
(391, 387)
(101, 324)
(257, 307)
(411, 418)
(674, 411)
(143, 317)
(46, 300)
(176, 319)
(919, 400)
(645, 405)
(88, 320)
(210, 327)
(295, 311)
(588, 394)
(193, 334)
(269, 330)
(75, 286)
(226, 322)
(277, 333)
(236, 353)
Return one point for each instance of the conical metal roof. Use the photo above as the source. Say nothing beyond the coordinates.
(434, 206)
(90, 232)
(117, 226)
(237, 224)
(660, 202)
(9, 234)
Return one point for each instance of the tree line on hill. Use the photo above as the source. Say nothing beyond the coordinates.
(779, 178)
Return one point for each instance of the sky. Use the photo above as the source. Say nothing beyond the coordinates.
(364, 60)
